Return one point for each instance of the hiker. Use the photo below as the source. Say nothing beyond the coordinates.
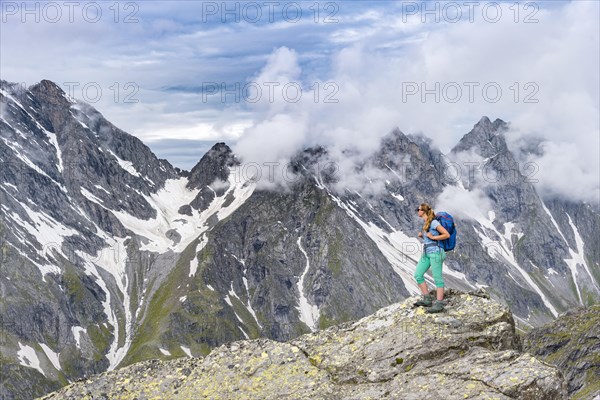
(433, 256)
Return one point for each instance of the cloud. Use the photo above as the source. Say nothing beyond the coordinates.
(561, 171)
(384, 69)
(277, 85)
(468, 169)
(465, 204)
(461, 72)
(272, 140)
(167, 46)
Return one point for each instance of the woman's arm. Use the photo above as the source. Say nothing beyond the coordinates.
(443, 233)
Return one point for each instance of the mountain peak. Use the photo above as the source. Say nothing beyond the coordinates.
(500, 124)
(48, 85)
(212, 166)
(484, 123)
(221, 147)
(486, 137)
(51, 93)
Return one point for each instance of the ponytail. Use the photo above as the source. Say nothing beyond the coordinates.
(430, 215)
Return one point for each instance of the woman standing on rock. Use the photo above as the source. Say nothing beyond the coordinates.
(433, 256)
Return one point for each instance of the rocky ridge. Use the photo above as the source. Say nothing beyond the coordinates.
(400, 352)
(572, 343)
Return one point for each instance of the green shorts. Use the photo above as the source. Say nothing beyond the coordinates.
(433, 260)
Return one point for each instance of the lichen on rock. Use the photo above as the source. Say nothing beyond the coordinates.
(471, 351)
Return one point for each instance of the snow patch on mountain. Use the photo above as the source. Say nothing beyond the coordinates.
(165, 352)
(227, 299)
(44, 268)
(309, 314)
(194, 262)
(77, 332)
(167, 203)
(126, 165)
(245, 280)
(578, 259)
(397, 196)
(187, 351)
(90, 196)
(28, 358)
(502, 249)
(112, 259)
(8, 185)
(554, 223)
(48, 232)
(400, 250)
(15, 148)
(400, 179)
(53, 139)
(52, 356)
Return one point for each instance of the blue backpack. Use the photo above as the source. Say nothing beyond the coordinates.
(447, 222)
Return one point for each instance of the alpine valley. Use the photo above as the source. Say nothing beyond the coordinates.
(110, 256)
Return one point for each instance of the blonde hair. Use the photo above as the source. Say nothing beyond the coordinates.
(430, 215)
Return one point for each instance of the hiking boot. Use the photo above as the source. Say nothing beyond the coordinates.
(438, 306)
(424, 302)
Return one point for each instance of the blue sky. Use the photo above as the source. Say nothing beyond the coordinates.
(386, 64)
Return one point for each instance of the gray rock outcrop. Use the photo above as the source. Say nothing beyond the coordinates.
(400, 352)
(572, 344)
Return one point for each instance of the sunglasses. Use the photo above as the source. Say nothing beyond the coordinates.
(418, 209)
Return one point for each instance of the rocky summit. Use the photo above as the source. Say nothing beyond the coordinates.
(471, 351)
